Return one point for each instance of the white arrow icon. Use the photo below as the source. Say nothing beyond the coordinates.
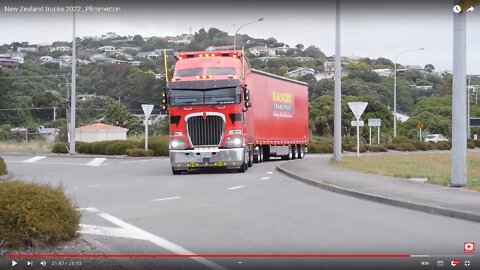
(470, 9)
(14, 263)
(29, 263)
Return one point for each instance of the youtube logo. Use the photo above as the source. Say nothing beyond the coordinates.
(469, 247)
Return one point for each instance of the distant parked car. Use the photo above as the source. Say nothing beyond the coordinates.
(435, 138)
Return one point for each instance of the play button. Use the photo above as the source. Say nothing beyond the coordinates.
(14, 263)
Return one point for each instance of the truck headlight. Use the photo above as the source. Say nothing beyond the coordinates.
(177, 144)
(233, 142)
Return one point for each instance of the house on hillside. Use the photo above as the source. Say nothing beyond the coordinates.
(49, 134)
(219, 48)
(257, 50)
(27, 49)
(299, 72)
(183, 39)
(100, 132)
(170, 53)
(109, 35)
(106, 49)
(283, 49)
(150, 55)
(60, 48)
(303, 58)
(46, 59)
(384, 72)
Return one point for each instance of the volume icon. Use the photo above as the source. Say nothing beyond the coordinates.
(43, 263)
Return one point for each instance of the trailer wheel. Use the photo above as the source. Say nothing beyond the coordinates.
(256, 158)
(301, 151)
(294, 151)
(250, 157)
(289, 155)
(260, 154)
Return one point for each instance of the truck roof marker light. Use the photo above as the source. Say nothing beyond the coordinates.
(200, 55)
(198, 77)
(180, 58)
(234, 56)
(212, 54)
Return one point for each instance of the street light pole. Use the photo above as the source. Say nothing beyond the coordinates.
(73, 95)
(238, 29)
(337, 110)
(395, 89)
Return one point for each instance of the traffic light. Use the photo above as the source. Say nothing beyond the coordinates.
(164, 102)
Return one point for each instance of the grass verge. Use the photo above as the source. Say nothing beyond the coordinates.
(436, 167)
(40, 147)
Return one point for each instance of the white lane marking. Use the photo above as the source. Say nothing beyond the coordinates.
(165, 199)
(34, 159)
(265, 178)
(237, 187)
(270, 172)
(94, 186)
(107, 231)
(137, 232)
(89, 209)
(96, 162)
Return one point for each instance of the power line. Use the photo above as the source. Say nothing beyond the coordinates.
(34, 76)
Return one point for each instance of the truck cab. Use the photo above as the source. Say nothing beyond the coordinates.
(207, 100)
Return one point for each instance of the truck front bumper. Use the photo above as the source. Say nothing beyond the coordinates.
(207, 158)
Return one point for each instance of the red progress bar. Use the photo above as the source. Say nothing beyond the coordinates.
(18, 256)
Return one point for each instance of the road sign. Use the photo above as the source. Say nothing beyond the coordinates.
(354, 123)
(147, 109)
(357, 108)
(475, 122)
(149, 122)
(374, 122)
(420, 125)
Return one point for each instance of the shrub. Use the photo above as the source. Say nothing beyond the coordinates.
(159, 145)
(377, 148)
(33, 214)
(99, 148)
(348, 147)
(401, 139)
(406, 146)
(363, 148)
(477, 143)
(391, 146)
(3, 167)
(84, 148)
(443, 146)
(139, 152)
(119, 148)
(421, 145)
(320, 148)
(60, 147)
(470, 145)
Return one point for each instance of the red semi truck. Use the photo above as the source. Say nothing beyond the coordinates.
(223, 113)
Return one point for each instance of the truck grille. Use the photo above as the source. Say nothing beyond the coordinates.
(205, 132)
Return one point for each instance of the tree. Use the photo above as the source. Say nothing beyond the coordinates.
(314, 52)
(138, 40)
(117, 114)
(358, 66)
(299, 47)
(429, 68)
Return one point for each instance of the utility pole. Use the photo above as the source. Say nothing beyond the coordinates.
(459, 102)
(54, 113)
(73, 98)
(337, 115)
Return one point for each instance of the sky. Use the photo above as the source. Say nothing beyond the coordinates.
(368, 28)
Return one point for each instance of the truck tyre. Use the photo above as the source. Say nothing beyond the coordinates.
(243, 168)
(266, 153)
(294, 151)
(260, 154)
(250, 157)
(256, 158)
(175, 171)
(300, 151)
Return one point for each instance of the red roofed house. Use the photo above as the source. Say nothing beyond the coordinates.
(100, 132)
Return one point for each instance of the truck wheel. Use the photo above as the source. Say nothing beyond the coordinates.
(175, 171)
(294, 151)
(260, 154)
(266, 153)
(243, 168)
(300, 151)
(256, 158)
(250, 157)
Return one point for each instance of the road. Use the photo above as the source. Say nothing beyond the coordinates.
(138, 206)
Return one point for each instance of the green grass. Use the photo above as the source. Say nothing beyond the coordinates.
(433, 166)
(36, 147)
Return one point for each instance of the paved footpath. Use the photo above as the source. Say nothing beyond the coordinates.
(316, 170)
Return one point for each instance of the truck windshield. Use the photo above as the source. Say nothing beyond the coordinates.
(180, 97)
(189, 72)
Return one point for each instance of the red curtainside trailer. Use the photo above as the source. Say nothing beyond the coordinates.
(225, 114)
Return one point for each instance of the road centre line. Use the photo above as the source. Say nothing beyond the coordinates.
(34, 159)
(166, 199)
(270, 172)
(237, 187)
